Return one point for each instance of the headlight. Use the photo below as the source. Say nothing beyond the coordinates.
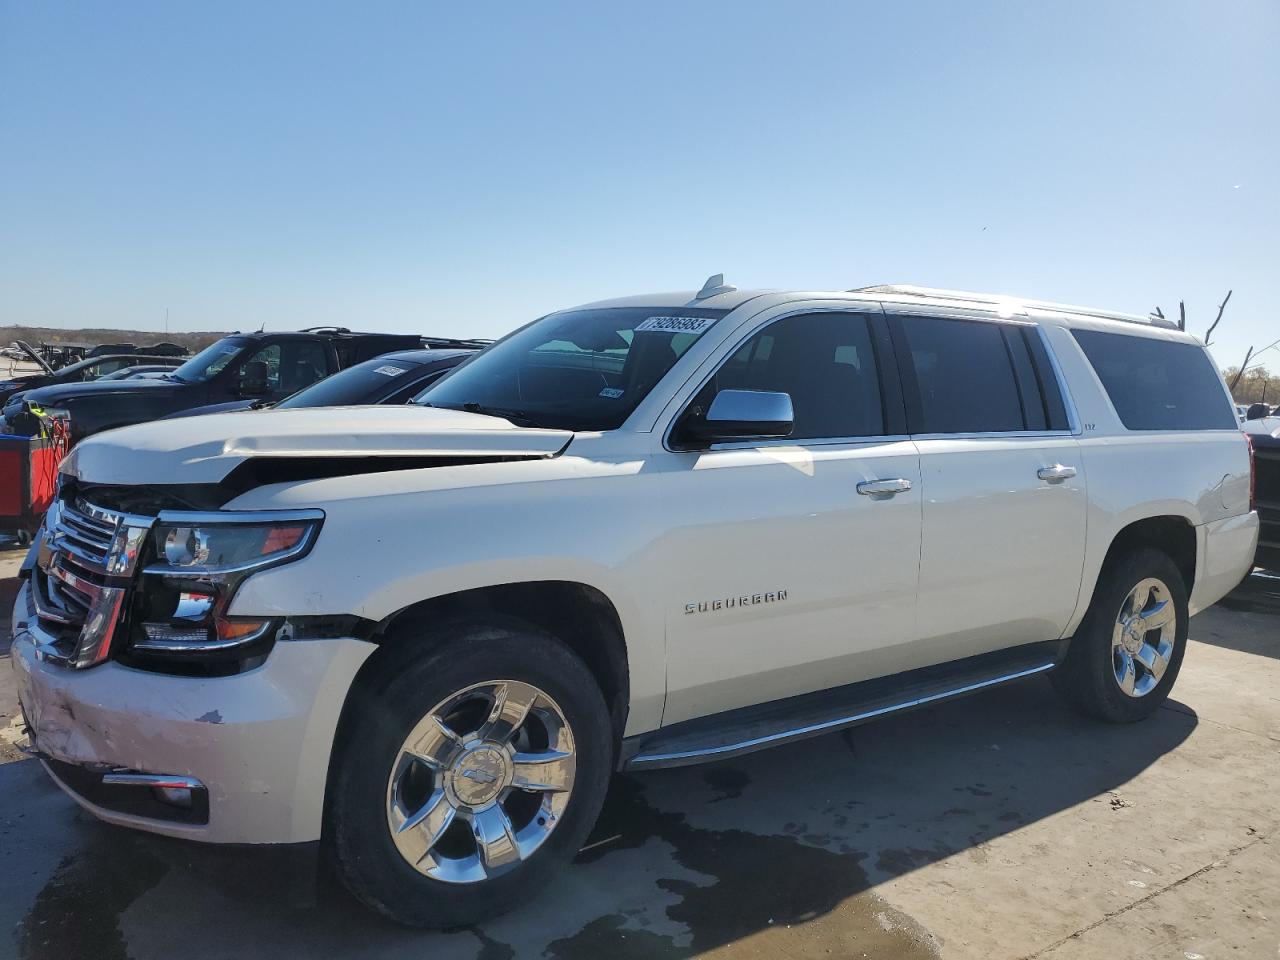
(197, 560)
(207, 544)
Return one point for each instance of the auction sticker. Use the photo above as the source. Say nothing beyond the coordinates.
(675, 324)
(387, 370)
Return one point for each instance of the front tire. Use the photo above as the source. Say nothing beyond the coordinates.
(1125, 657)
(473, 768)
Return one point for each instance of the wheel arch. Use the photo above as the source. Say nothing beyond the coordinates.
(578, 614)
(1173, 533)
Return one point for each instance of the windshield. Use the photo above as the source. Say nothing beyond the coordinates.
(578, 370)
(358, 384)
(210, 361)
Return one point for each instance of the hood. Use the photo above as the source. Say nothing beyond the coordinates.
(206, 449)
(57, 394)
(33, 355)
(230, 406)
(27, 382)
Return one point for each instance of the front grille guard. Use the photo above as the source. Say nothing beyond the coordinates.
(87, 560)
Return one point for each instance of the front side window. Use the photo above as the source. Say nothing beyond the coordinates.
(260, 373)
(577, 370)
(966, 377)
(282, 368)
(1158, 384)
(824, 361)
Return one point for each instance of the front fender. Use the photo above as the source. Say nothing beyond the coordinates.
(377, 555)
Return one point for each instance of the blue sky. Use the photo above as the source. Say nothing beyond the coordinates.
(460, 168)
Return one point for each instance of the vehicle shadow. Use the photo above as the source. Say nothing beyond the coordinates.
(681, 862)
(1247, 619)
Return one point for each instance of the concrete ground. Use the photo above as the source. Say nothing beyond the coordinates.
(997, 826)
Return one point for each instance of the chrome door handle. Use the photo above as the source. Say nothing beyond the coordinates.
(1056, 473)
(883, 488)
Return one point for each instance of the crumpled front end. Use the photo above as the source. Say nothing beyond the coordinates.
(251, 751)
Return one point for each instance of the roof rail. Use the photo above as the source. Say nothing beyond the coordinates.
(912, 290)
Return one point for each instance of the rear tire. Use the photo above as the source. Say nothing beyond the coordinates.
(1124, 658)
(501, 806)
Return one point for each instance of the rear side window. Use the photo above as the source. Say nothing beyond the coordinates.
(966, 377)
(1158, 384)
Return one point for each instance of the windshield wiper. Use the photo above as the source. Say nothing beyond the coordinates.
(516, 417)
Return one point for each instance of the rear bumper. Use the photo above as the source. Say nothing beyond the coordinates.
(1226, 552)
(258, 743)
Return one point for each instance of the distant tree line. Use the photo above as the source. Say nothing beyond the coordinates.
(96, 335)
(1258, 385)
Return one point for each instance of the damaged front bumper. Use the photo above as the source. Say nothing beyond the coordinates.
(252, 749)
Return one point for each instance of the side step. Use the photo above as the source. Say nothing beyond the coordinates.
(737, 732)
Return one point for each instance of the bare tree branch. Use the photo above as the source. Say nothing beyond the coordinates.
(1222, 306)
(1240, 373)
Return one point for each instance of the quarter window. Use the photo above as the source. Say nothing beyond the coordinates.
(824, 361)
(1158, 384)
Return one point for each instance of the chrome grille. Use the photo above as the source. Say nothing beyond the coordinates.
(87, 561)
(87, 536)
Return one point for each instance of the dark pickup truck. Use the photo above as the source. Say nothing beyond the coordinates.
(1264, 437)
(266, 366)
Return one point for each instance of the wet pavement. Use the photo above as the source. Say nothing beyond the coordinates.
(997, 826)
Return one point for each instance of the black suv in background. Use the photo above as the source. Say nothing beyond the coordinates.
(242, 366)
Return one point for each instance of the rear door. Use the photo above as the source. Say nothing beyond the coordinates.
(1004, 504)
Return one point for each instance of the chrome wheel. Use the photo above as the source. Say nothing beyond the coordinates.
(481, 781)
(1142, 640)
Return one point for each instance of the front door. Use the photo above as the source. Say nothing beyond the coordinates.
(781, 576)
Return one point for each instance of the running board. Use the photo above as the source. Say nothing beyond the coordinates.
(746, 730)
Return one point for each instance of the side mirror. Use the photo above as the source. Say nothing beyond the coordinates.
(743, 415)
(252, 380)
(1257, 411)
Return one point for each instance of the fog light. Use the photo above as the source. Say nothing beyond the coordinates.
(174, 796)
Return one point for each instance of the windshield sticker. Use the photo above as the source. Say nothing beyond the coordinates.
(387, 370)
(675, 325)
(613, 393)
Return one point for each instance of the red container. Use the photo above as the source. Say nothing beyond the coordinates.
(28, 477)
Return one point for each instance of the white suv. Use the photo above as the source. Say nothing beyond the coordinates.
(635, 534)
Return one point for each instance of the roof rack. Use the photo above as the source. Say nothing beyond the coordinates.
(912, 290)
(427, 341)
(433, 342)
